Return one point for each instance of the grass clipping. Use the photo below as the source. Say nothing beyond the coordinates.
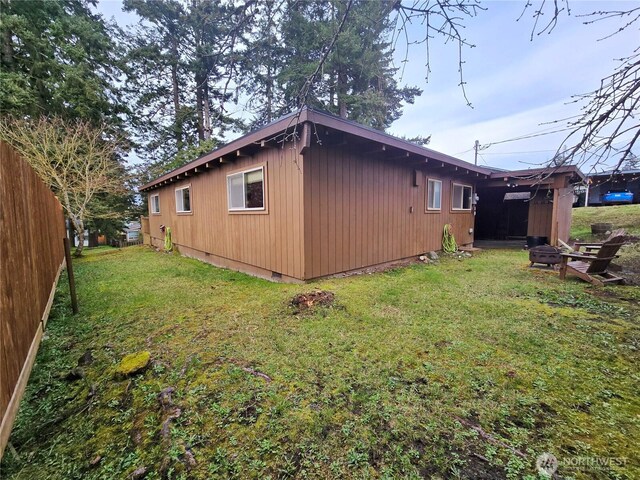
(449, 244)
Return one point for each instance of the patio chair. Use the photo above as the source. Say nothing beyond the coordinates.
(592, 267)
(593, 247)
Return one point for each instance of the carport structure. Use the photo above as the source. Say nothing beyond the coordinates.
(524, 204)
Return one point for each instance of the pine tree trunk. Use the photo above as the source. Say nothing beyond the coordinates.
(176, 96)
(269, 93)
(199, 109)
(7, 49)
(206, 116)
(342, 106)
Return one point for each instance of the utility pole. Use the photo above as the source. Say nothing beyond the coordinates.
(476, 146)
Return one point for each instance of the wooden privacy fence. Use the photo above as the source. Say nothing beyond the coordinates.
(145, 230)
(31, 259)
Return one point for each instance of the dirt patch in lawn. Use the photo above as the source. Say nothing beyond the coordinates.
(304, 302)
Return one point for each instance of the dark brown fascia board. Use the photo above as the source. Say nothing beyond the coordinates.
(319, 118)
(539, 172)
(497, 183)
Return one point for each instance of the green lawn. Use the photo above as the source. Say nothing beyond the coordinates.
(621, 216)
(626, 217)
(394, 381)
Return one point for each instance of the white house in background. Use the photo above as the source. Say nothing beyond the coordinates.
(76, 240)
(132, 231)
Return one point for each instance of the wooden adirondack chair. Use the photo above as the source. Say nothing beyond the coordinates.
(592, 267)
(592, 248)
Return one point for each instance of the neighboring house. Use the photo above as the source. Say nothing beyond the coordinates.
(132, 231)
(601, 183)
(311, 195)
(131, 234)
(87, 237)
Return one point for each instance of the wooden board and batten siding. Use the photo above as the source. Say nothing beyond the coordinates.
(31, 258)
(550, 216)
(342, 197)
(257, 242)
(328, 211)
(364, 210)
(540, 215)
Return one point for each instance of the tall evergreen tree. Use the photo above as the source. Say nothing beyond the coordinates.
(184, 66)
(357, 79)
(58, 58)
(59, 61)
(262, 63)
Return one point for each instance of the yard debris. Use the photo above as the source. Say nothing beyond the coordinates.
(186, 366)
(243, 366)
(164, 431)
(305, 301)
(139, 473)
(425, 259)
(165, 398)
(256, 373)
(189, 459)
(133, 363)
(166, 402)
(490, 438)
(432, 256)
(95, 461)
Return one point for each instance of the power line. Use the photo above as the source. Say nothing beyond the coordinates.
(524, 137)
(518, 153)
(466, 151)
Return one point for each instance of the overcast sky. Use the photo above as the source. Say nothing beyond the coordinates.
(516, 86)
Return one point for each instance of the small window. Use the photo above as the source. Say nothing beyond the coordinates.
(246, 190)
(155, 203)
(133, 235)
(461, 197)
(183, 200)
(434, 194)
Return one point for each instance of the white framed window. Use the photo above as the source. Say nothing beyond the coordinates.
(434, 194)
(245, 190)
(183, 199)
(461, 197)
(155, 203)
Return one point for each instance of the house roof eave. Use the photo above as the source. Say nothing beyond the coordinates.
(288, 122)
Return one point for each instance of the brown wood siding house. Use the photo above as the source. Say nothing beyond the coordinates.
(312, 195)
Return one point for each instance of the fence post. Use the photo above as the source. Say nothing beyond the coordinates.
(72, 281)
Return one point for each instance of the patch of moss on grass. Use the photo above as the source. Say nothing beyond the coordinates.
(133, 363)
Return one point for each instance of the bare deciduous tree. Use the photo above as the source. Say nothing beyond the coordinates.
(74, 159)
(607, 128)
